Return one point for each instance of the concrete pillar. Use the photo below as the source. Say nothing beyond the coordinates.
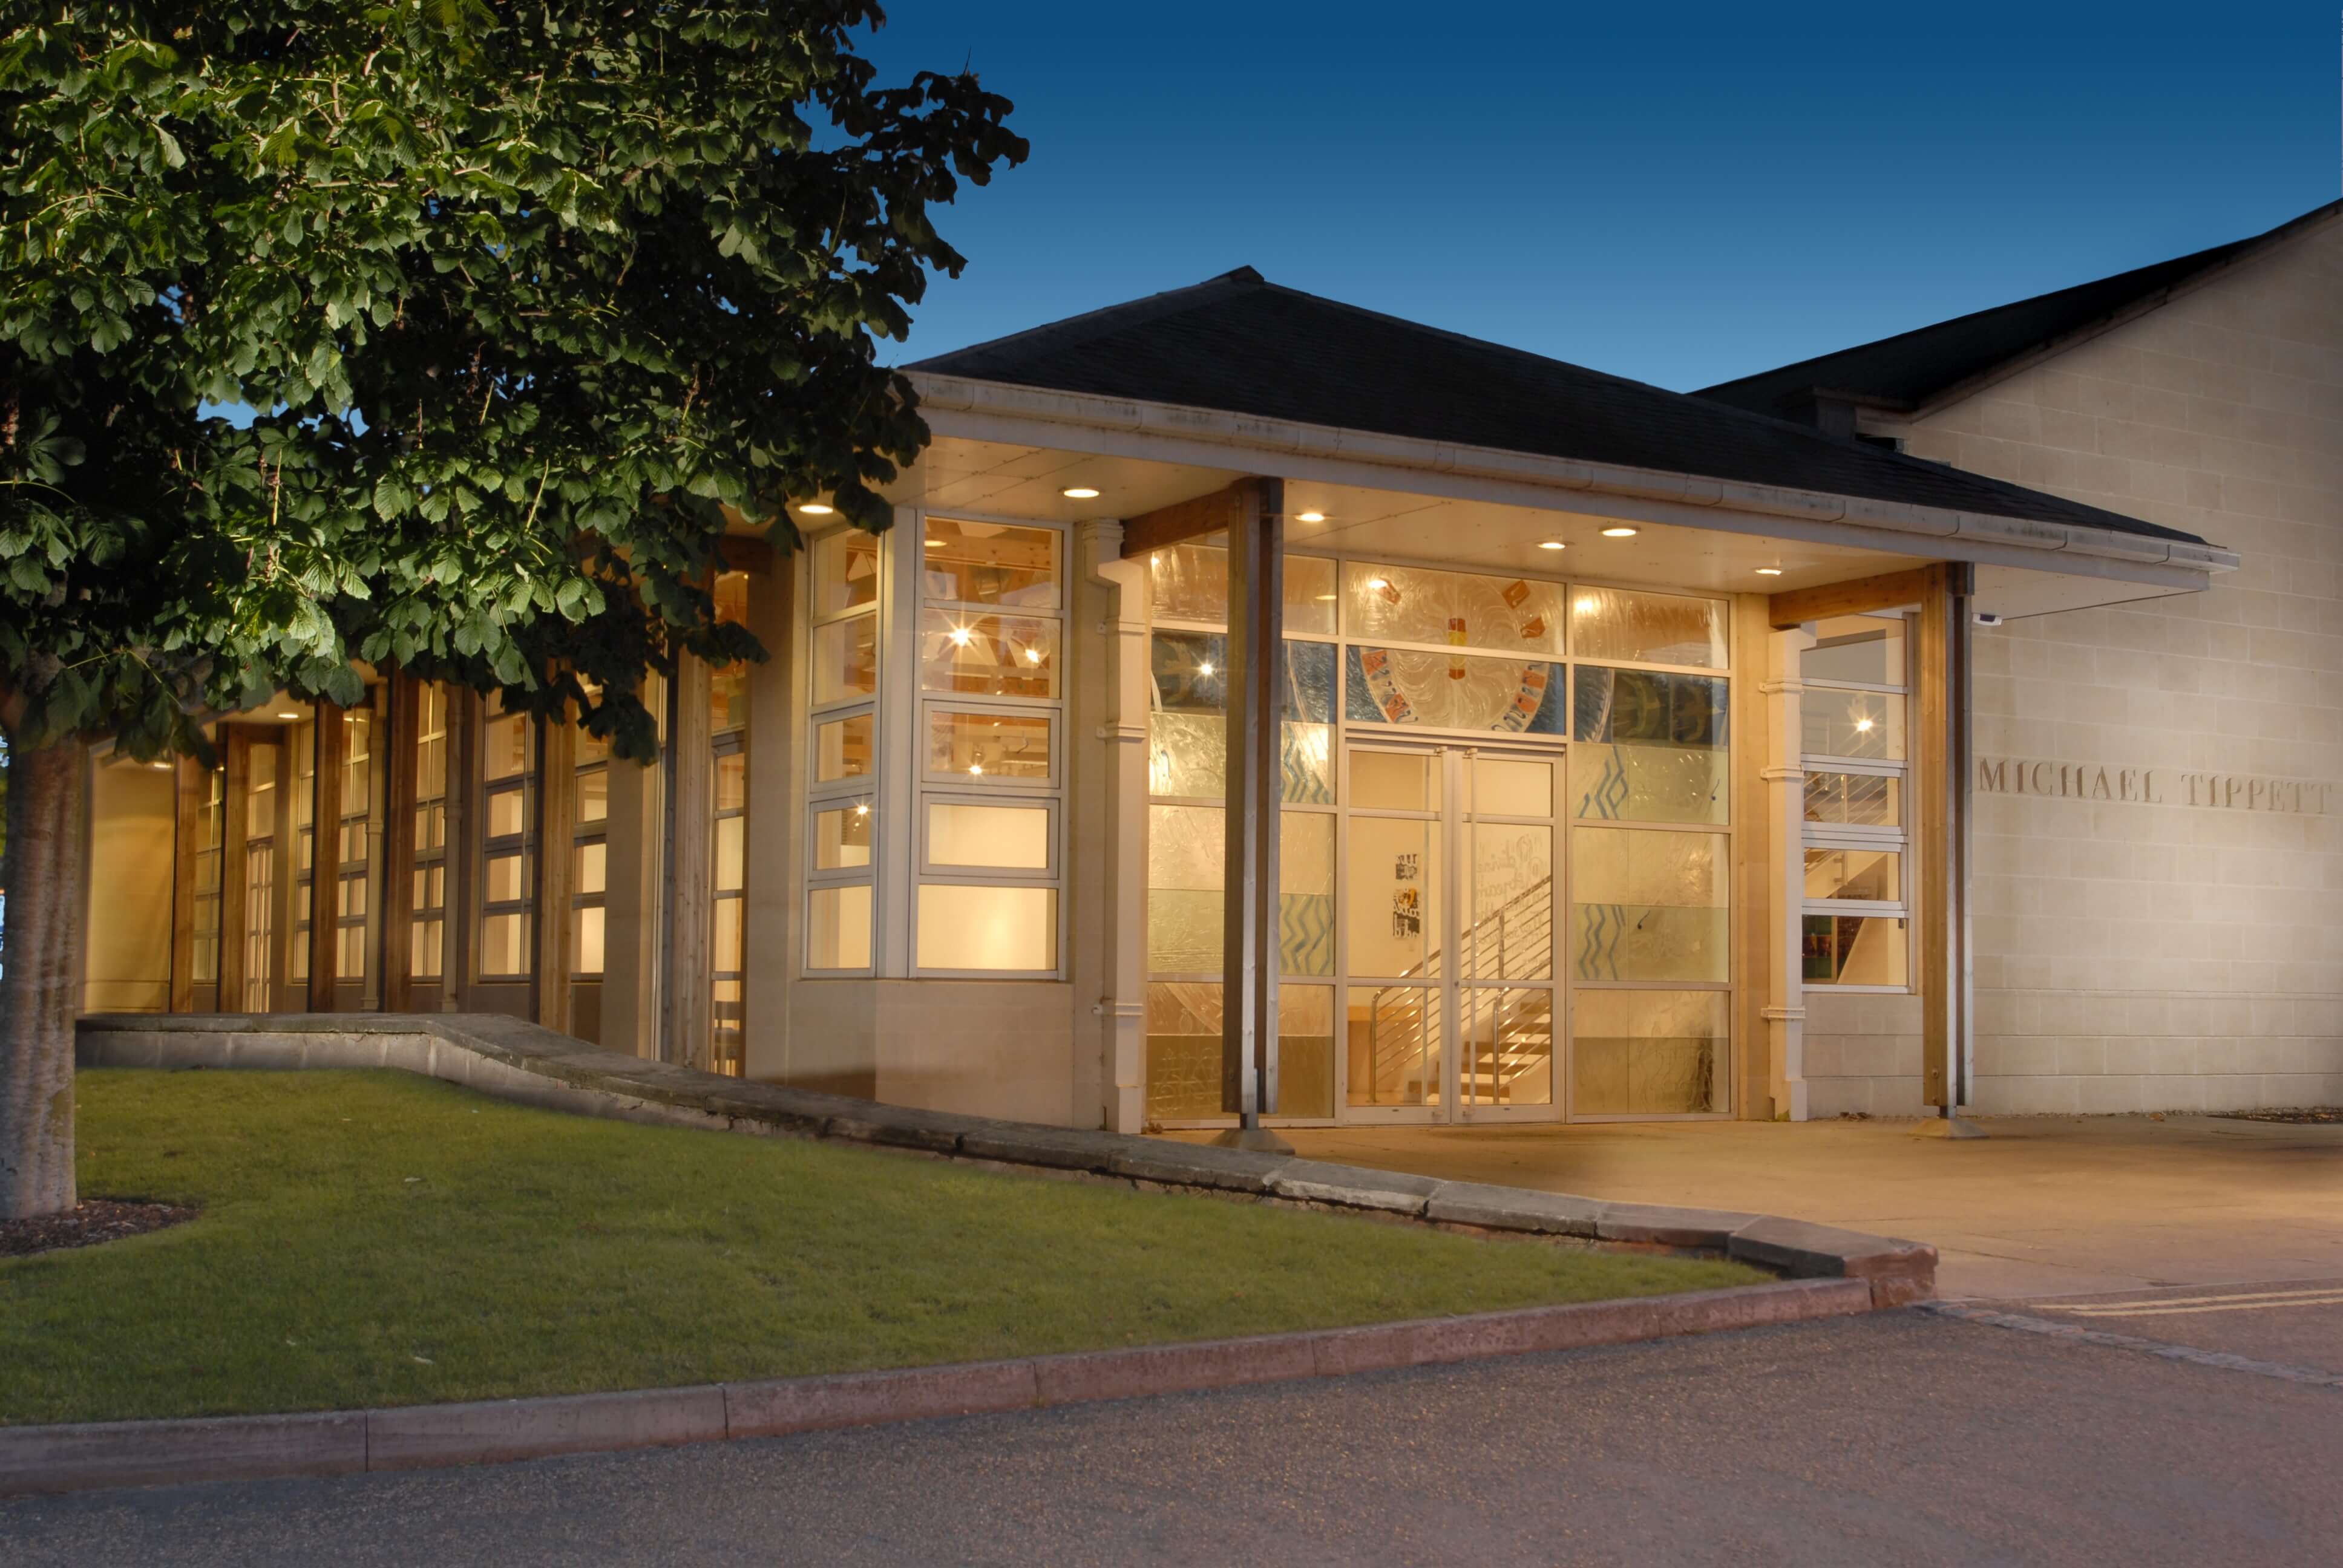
(1107, 802)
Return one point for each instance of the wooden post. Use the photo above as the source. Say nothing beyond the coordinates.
(683, 986)
(459, 937)
(398, 753)
(1256, 657)
(557, 816)
(330, 746)
(1940, 773)
(236, 746)
(189, 781)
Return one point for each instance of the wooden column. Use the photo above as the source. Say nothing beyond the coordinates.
(236, 748)
(398, 750)
(460, 937)
(683, 985)
(332, 745)
(556, 818)
(189, 790)
(1256, 658)
(1940, 779)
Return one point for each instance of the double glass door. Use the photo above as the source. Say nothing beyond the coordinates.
(1450, 951)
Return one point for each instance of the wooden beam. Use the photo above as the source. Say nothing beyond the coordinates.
(330, 747)
(1212, 514)
(1795, 607)
(235, 750)
(556, 831)
(399, 751)
(1249, 932)
(189, 791)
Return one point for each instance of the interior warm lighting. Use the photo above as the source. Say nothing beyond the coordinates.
(1378, 583)
(935, 544)
(1583, 604)
(962, 636)
(1205, 668)
(976, 769)
(1620, 532)
(815, 509)
(1769, 571)
(1032, 655)
(862, 810)
(288, 716)
(1078, 493)
(1309, 516)
(1863, 726)
(1552, 544)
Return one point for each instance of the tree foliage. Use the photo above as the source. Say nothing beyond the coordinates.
(529, 297)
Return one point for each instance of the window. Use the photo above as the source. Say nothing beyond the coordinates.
(353, 877)
(211, 834)
(260, 934)
(427, 954)
(304, 803)
(729, 873)
(508, 843)
(1856, 926)
(992, 710)
(841, 814)
(589, 858)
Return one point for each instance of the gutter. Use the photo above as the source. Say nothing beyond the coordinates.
(1288, 450)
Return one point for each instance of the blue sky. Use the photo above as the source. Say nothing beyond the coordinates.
(1680, 194)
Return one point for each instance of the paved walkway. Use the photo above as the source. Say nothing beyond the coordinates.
(2046, 1206)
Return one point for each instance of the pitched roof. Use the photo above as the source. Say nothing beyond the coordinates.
(1910, 369)
(1240, 344)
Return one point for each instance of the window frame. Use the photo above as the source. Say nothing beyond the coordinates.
(1897, 839)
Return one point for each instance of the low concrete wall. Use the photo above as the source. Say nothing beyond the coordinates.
(518, 1061)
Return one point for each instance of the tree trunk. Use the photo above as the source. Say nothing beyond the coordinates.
(40, 985)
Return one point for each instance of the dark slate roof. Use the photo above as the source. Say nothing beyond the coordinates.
(1904, 372)
(1240, 344)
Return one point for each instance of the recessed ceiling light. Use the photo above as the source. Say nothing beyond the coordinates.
(1552, 544)
(1622, 532)
(288, 716)
(935, 544)
(1769, 571)
(1078, 493)
(1309, 516)
(815, 509)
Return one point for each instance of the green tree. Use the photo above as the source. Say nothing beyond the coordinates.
(532, 301)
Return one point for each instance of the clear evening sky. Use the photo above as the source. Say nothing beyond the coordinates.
(1680, 194)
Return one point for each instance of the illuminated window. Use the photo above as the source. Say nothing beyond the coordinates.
(844, 600)
(428, 947)
(728, 870)
(1856, 923)
(508, 843)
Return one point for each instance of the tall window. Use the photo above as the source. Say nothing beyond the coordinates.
(304, 807)
(508, 845)
(842, 825)
(1857, 926)
(992, 708)
(260, 934)
(729, 881)
(590, 850)
(211, 831)
(353, 878)
(427, 957)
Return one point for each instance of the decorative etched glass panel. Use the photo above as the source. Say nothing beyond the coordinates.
(1390, 1043)
(846, 659)
(1865, 726)
(1650, 905)
(1417, 604)
(1512, 934)
(1189, 744)
(987, 745)
(1647, 627)
(1647, 1052)
(1451, 691)
(970, 928)
(1854, 799)
(1865, 876)
(1183, 1051)
(1190, 582)
(992, 563)
(988, 655)
(1508, 1056)
(842, 748)
(1185, 856)
(1652, 746)
(1856, 950)
(1305, 892)
(1860, 649)
(845, 572)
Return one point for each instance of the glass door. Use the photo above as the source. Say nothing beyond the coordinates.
(1448, 933)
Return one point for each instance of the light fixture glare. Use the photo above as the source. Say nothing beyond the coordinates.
(1078, 493)
(1309, 516)
(816, 508)
(1552, 544)
(1620, 532)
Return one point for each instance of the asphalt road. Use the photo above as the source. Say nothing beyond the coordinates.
(1905, 1438)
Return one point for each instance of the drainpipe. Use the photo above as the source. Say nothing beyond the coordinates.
(1120, 886)
(1786, 813)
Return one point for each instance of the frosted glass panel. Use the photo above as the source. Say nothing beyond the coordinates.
(1856, 950)
(1189, 741)
(838, 929)
(1305, 892)
(1648, 708)
(1508, 1056)
(1310, 603)
(1190, 582)
(1392, 1046)
(1651, 747)
(1858, 799)
(988, 655)
(1649, 906)
(1188, 754)
(1512, 935)
(1864, 649)
(842, 748)
(988, 928)
(992, 563)
(1451, 691)
(845, 572)
(1391, 897)
(1872, 876)
(1505, 788)
(1417, 604)
(1184, 862)
(1183, 1051)
(841, 836)
(1647, 627)
(987, 745)
(846, 659)
(1864, 725)
(1394, 781)
(1647, 1052)
(1012, 837)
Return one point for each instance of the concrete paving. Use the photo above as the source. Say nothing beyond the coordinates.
(2045, 1206)
(1898, 1437)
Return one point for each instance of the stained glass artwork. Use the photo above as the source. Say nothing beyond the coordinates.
(988, 655)
(1862, 726)
(1508, 1056)
(1854, 799)
(1647, 1052)
(1451, 691)
(1860, 649)
(1512, 934)
(1856, 950)
(1649, 905)
(1647, 627)
(1864, 875)
(1645, 707)
(1653, 746)
(1459, 610)
(991, 563)
(1391, 1045)
(1188, 752)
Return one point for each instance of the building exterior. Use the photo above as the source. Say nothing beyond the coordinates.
(1505, 741)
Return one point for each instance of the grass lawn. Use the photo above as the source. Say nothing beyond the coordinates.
(374, 1238)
